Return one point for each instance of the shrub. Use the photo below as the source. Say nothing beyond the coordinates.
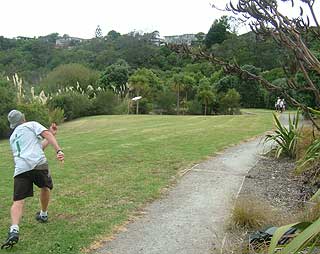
(144, 106)
(73, 104)
(194, 107)
(230, 102)
(35, 112)
(69, 75)
(165, 102)
(105, 103)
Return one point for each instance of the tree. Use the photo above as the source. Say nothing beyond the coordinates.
(230, 102)
(98, 33)
(69, 75)
(6, 43)
(251, 92)
(180, 82)
(136, 51)
(218, 32)
(140, 82)
(113, 35)
(51, 38)
(226, 83)
(249, 49)
(105, 58)
(205, 94)
(115, 77)
(200, 37)
(291, 34)
(41, 52)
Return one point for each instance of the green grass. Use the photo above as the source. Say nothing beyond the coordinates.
(113, 166)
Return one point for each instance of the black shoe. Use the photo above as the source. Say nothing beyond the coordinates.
(13, 238)
(42, 219)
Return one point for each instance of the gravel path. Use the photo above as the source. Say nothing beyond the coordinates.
(190, 218)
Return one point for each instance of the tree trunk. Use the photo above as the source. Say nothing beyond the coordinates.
(205, 109)
(137, 102)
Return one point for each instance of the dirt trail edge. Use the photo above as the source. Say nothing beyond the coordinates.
(191, 217)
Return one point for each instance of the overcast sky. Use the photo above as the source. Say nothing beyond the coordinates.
(80, 18)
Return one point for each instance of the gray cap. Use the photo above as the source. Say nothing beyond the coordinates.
(15, 117)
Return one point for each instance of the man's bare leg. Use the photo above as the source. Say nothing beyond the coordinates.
(16, 211)
(42, 216)
(16, 214)
(44, 198)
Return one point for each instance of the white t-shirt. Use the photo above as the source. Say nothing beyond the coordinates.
(281, 104)
(26, 145)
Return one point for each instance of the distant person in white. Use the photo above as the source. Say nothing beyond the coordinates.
(282, 105)
(27, 142)
(277, 105)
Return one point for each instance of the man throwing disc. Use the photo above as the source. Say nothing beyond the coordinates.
(27, 142)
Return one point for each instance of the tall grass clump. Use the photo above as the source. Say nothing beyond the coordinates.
(308, 162)
(56, 115)
(311, 156)
(307, 136)
(250, 213)
(311, 211)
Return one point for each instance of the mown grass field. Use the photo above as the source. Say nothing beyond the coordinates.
(114, 165)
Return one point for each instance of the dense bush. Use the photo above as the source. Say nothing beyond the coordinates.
(251, 92)
(115, 77)
(69, 75)
(105, 103)
(8, 102)
(74, 104)
(145, 107)
(230, 103)
(165, 102)
(194, 107)
(35, 112)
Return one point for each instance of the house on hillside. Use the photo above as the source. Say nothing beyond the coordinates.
(67, 41)
(24, 38)
(157, 41)
(181, 39)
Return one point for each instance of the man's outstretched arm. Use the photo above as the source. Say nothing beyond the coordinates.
(52, 141)
(53, 129)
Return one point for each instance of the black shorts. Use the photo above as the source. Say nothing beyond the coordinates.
(23, 183)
